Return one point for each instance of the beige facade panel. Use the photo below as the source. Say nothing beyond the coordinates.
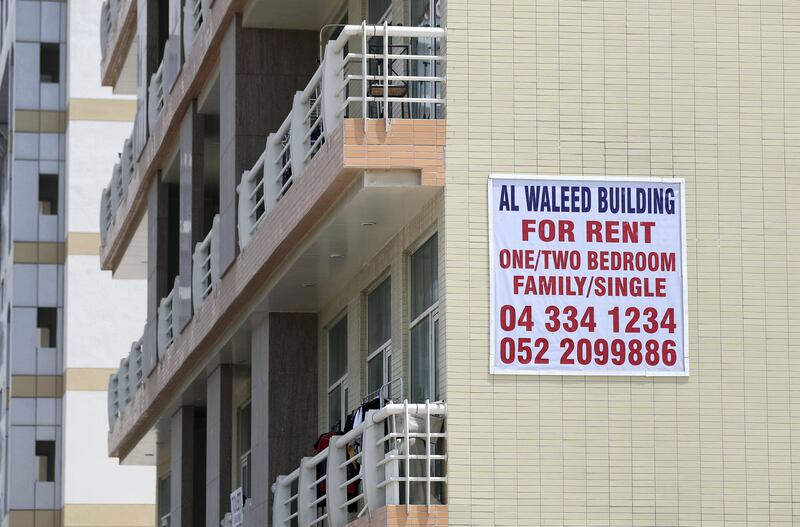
(37, 385)
(39, 252)
(37, 518)
(705, 91)
(83, 243)
(102, 109)
(103, 515)
(40, 121)
(89, 379)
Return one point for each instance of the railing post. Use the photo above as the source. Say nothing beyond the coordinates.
(197, 277)
(386, 119)
(336, 492)
(213, 250)
(113, 400)
(161, 333)
(372, 454)
(306, 491)
(280, 495)
(364, 71)
(243, 221)
(297, 145)
(333, 91)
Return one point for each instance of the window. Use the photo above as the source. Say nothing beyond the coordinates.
(424, 327)
(46, 324)
(378, 11)
(164, 501)
(245, 461)
(337, 374)
(49, 59)
(48, 194)
(45, 461)
(379, 341)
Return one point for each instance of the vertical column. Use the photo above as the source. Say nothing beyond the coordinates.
(192, 201)
(219, 451)
(157, 287)
(259, 405)
(284, 400)
(187, 464)
(260, 71)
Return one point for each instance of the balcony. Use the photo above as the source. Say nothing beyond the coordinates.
(117, 191)
(397, 457)
(391, 80)
(205, 266)
(128, 379)
(118, 56)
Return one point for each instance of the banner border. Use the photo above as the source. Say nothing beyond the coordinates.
(582, 373)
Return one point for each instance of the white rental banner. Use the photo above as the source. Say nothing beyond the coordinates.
(587, 276)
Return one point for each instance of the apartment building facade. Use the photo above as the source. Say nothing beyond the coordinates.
(304, 189)
(56, 354)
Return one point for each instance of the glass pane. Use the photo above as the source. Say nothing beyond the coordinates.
(424, 277)
(379, 306)
(374, 373)
(164, 504)
(420, 360)
(337, 351)
(335, 408)
(244, 429)
(389, 379)
(435, 361)
(376, 9)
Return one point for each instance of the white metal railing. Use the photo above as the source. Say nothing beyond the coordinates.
(129, 378)
(121, 178)
(156, 94)
(117, 187)
(167, 324)
(108, 21)
(128, 163)
(398, 73)
(205, 265)
(135, 366)
(113, 399)
(106, 213)
(106, 26)
(195, 12)
(124, 384)
(399, 458)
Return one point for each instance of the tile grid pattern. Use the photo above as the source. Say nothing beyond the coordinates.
(703, 90)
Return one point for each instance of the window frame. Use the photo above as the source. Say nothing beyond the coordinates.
(431, 313)
(164, 519)
(342, 382)
(245, 457)
(385, 347)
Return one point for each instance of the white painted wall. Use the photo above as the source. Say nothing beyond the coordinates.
(94, 148)
(90, 475)
(104, 316)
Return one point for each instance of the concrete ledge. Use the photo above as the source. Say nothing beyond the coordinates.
(119, 43)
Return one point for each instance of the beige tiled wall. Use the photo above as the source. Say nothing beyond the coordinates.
(706, 90)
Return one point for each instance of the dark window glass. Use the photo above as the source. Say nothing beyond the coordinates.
(45, 461)
(48, 194)
(49, 62)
